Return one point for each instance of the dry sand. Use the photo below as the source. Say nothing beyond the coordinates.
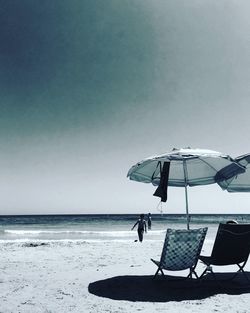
(105, 276)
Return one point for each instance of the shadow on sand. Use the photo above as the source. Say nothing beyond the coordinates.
(144, 288)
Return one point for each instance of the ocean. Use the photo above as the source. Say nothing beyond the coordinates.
(99, 227)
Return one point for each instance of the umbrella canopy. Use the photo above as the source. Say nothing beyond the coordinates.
(240, 182)
(188, 167)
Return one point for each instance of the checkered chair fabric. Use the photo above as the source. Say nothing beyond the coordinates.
(182, 248)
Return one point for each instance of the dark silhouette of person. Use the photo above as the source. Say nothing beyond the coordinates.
(142, 226)
(149, 221)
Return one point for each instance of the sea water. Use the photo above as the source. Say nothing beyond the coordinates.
(99, 227)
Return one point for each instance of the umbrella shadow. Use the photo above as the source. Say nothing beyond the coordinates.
(145, 289)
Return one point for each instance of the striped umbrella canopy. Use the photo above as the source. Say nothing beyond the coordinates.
(188, 167)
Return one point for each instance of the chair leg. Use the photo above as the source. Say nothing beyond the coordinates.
(204, 272)
(195, 274)
(156, 273)
(191, 272)
(159, 269)
(241, 270)
(207, 269)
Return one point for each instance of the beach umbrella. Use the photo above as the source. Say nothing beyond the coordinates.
(188, 167)
(240, 182)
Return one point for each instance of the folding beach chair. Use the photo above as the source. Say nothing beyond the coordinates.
(181, 250)
(231, 247)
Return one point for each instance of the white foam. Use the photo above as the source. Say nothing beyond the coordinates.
(118, 233)
(68, 241)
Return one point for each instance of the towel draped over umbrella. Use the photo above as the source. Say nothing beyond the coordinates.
(162, 189)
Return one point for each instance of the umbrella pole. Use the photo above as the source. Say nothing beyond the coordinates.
(186, 194)
(187, 214)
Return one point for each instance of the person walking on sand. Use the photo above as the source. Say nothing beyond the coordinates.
(149, 221)
(142, 226)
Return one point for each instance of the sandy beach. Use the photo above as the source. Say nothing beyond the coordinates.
(105, 276)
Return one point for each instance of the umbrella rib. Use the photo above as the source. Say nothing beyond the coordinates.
(159, 163)
(209, 165)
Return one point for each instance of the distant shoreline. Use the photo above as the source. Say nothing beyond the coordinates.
(125, 214)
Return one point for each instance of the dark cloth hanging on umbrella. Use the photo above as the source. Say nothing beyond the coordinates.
(162, 189)
(228, 172)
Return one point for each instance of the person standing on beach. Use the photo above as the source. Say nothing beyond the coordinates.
(149, 221)
(142, 226)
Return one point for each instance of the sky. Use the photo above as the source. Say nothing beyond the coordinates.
(89, 88)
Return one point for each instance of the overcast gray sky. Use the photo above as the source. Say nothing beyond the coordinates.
(88, 88)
